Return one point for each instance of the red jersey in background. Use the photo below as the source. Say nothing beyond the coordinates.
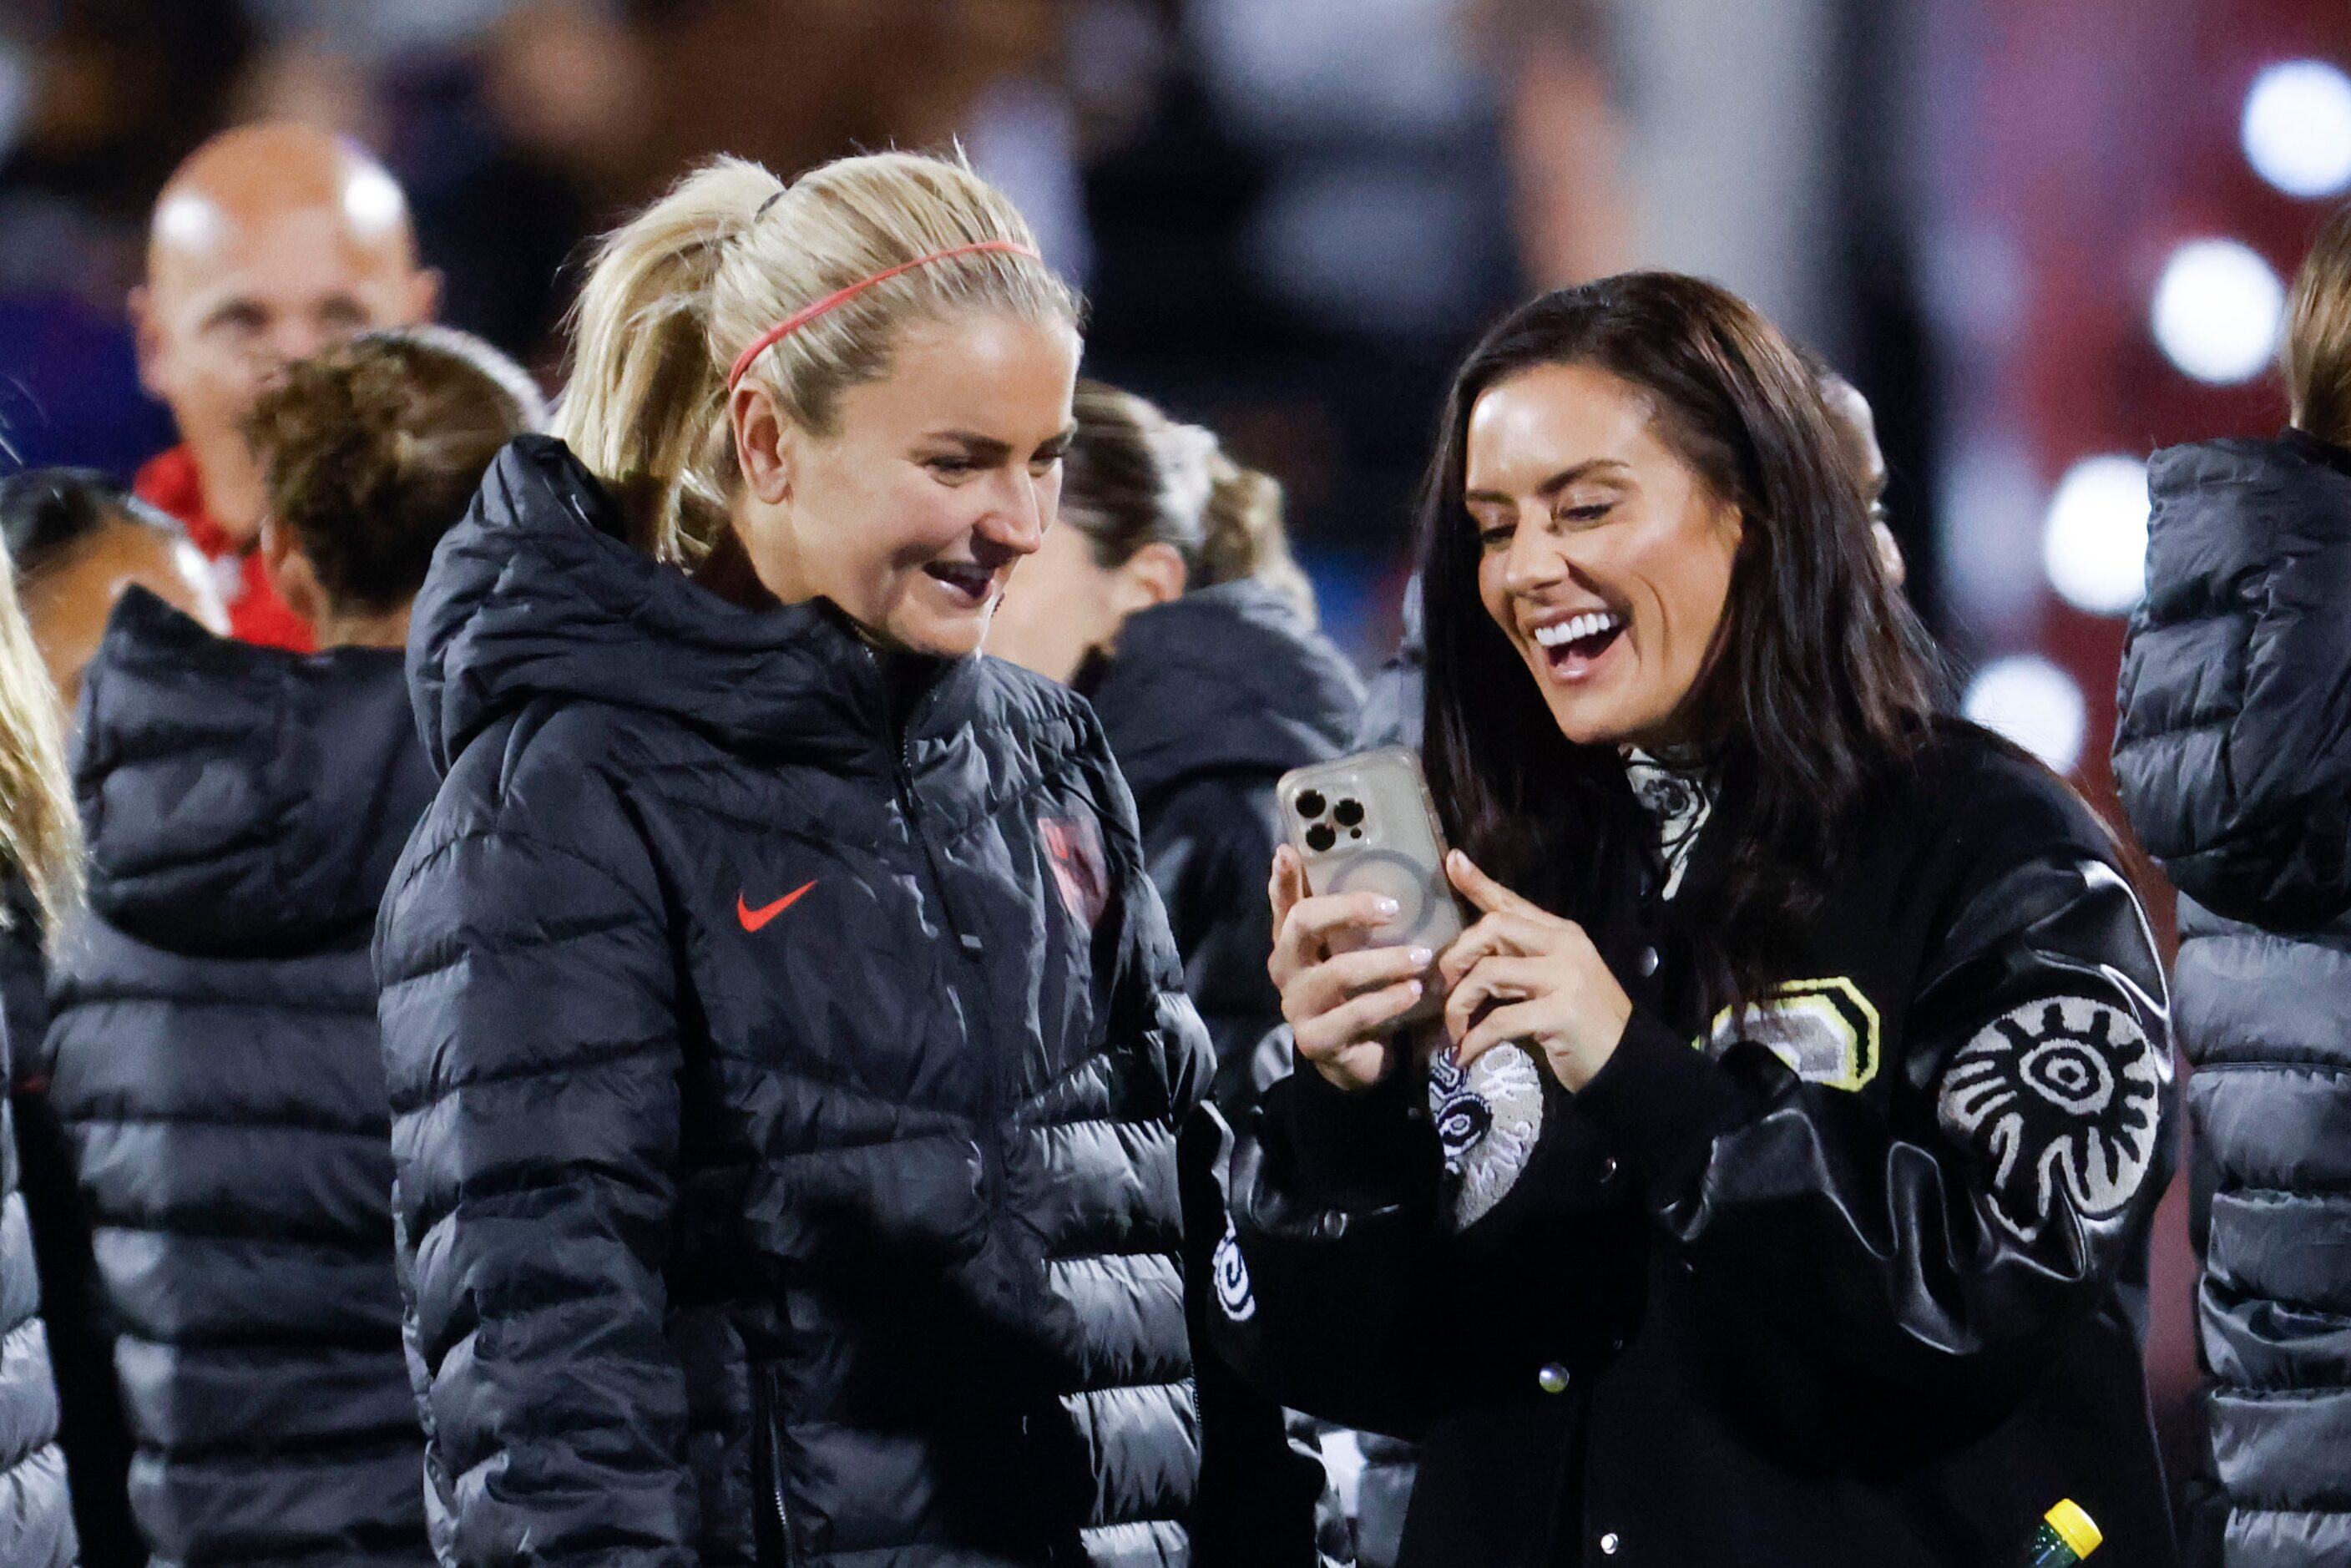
(256, 613)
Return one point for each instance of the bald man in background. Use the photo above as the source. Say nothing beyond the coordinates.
(270, 243)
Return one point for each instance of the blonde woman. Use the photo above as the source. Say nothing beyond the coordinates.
(786, 1044)
(40, 854)
(2233, 756)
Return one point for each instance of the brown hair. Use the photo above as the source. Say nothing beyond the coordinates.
(2317, 353)
(374, 448)
(1821, 679)
(1135, 477)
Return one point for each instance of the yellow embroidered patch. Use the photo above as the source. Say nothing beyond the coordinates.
(1825, 1031)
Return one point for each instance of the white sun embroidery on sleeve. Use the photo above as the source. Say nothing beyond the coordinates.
(1230, 1270)
(2062, 1097)
(1487, 1120)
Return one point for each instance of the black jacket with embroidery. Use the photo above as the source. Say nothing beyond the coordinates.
(1862, 1280)
(785, 1051)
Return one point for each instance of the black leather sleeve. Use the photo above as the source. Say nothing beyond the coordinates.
(1982, 1202)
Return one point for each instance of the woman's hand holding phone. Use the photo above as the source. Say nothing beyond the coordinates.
(1524, 975)
(1341, 997)
(1519, 975)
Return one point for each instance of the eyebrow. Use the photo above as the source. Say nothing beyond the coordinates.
(991, 448)
(236, 305)
(1556, 483)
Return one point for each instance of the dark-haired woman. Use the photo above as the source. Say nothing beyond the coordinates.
(216, 1058)
(1775, 1187)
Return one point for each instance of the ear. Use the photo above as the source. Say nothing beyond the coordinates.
(1155, 574)
(423, 295)
(147, 340)
(765, 444)
(290, 572)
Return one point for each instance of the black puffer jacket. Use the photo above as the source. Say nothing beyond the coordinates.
(786, 1049)
(1212, 697)
(91, 1429)
(215, 1062)
(35, 1513)
(2233, 756)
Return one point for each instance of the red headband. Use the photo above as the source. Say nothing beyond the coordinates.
(799, 318)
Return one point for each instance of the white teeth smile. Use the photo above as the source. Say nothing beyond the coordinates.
(1590, 625)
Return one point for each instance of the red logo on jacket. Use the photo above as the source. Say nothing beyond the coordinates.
(1074, 847)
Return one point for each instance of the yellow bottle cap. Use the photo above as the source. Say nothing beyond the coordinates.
(2075, 1528)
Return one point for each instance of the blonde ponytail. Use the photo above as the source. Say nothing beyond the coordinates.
(40, 835)
(675, 293)
(1245, 534)
(1135, 477)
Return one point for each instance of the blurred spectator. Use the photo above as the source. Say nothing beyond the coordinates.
(40, 862)
(79, 542)
(2233, 756)
(1167, 595)
(1565, 133)
(76, 540)
(214, 1054)
(269, 243)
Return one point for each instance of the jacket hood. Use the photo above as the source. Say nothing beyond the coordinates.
(537, 593)
(2233, 752)
(1229, 678)
(240, 798)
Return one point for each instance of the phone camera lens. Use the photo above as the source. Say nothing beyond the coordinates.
(1321, 837)
(1348, 813)
(1309, 804)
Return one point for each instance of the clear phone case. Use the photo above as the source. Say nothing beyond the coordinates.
(1365, 823)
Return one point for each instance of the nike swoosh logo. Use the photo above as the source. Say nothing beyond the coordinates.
(754, 919)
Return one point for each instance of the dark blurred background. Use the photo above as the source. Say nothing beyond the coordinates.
(2044, 236)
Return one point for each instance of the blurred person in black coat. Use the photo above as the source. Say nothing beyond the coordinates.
(40, 852)
(2233, 757)
(1166, 593)
(78, 540)
(215, 1053)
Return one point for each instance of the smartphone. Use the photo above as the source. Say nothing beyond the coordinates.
(1365, 824)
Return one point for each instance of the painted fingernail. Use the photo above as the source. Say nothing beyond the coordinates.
(1413, 989)
(1420, 957)
(1387, 908)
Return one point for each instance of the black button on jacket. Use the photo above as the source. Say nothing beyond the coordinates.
(786, 1050)
(1856, 1278)
(215, 1062)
